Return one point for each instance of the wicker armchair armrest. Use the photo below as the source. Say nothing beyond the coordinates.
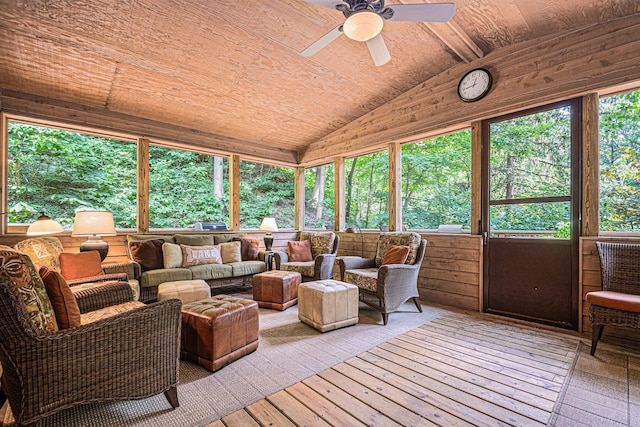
(97, 295)
(104, 278)
(131, 269)
(398, 272)
(280, 257)
(132, 355)
(323, 266)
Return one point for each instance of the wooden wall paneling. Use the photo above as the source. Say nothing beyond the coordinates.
(234, 192)
(590, 166)
(395, 187)
(142, 161)
(298, 209)
(525, 75)
(476, 177)
(339, 193)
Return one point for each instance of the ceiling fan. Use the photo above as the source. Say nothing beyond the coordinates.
(365, 19)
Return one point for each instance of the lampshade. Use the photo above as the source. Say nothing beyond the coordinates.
(269, 224)
(88, 223)
(44, 225)
(363, 26)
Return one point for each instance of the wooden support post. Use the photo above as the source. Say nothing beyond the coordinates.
(476, 177)
(3, 158)
(590, 166)
(395, 187)
(234, 192)
(338, 192)
(142, 219)
(298, 208)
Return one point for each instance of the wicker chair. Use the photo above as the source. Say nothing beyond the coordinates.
(324, 247)
(619, 301)
(131, 355)
(386, 287)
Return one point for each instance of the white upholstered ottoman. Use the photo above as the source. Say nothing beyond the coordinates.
(328, 304)
(185, 290)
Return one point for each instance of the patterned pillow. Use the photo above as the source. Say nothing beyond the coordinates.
(43, 251)
(321, 241)
(19, 270)
(399, 239)
(196, 255)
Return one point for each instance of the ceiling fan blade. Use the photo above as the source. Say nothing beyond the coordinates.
(378, 50)
(331, 4)
(315, 47)
(436, 12)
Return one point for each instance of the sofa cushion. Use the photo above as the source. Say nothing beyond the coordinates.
(230, 252)
(321, 241)
(155, 277)
(42, 251)
(395, 254)
(171, 255)
(363, 278)
(226, 237)
(21, 273)
(80, 265)
(211, 271)
(147, 253)
(246, 268)
(306, 268)
(300, 251)
(399, 239)
(194, 239)
(62, 299)
(196, 255)
(249, 248)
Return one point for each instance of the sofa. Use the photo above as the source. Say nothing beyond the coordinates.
(191, 257)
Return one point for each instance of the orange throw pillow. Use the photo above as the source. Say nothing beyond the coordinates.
(395, 254)
(300, 251)
(80, 265)
(62, 299)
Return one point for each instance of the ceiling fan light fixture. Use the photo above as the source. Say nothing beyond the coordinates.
(363, 26)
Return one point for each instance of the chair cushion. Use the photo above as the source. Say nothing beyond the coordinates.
(395, 254)
(80, 265)
(94, 316)
(399, 239)
(321, 241)
(62, 299)
(20, 272)
(195, 255)
(300, 251)
(249, 248)
(615, 300)
(230, 252)
(364, 278)
(306, 268)
(147, 253)
(42, 251)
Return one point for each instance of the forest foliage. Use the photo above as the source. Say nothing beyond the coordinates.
(59, 172)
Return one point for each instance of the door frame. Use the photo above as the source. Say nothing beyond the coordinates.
(576, 105)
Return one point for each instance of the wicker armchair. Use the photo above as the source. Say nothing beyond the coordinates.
(619, 301)
(324, 247)
(386, 287)
(130, 355)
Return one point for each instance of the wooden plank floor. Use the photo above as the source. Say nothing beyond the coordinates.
(458, 370)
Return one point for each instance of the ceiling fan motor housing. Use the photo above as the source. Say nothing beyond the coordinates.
(360, 5)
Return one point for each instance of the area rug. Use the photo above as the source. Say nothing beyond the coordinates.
(288, 352)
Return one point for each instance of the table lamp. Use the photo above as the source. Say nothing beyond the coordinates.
(94, 224)
(268, 225)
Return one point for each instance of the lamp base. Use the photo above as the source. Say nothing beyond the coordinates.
(268, 241)
(95, 243)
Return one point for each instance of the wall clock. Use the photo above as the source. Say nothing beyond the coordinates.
(475, 85)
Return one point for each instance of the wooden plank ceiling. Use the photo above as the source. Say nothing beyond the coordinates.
(233, 68)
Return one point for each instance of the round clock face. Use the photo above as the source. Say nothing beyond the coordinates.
(474, 85)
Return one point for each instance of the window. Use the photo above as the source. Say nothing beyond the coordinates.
(367, 190)
(265, 190)
(436, 181)
(187, 188)
(319, 197)
(59, 171)
(620, 163)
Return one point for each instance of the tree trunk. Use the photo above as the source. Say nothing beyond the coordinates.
(370, 196)
(349, 185)
(218, 174)
(510, 177)
(317, 197)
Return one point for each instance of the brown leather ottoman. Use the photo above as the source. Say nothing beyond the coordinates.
(276, 289)
(218, 330)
